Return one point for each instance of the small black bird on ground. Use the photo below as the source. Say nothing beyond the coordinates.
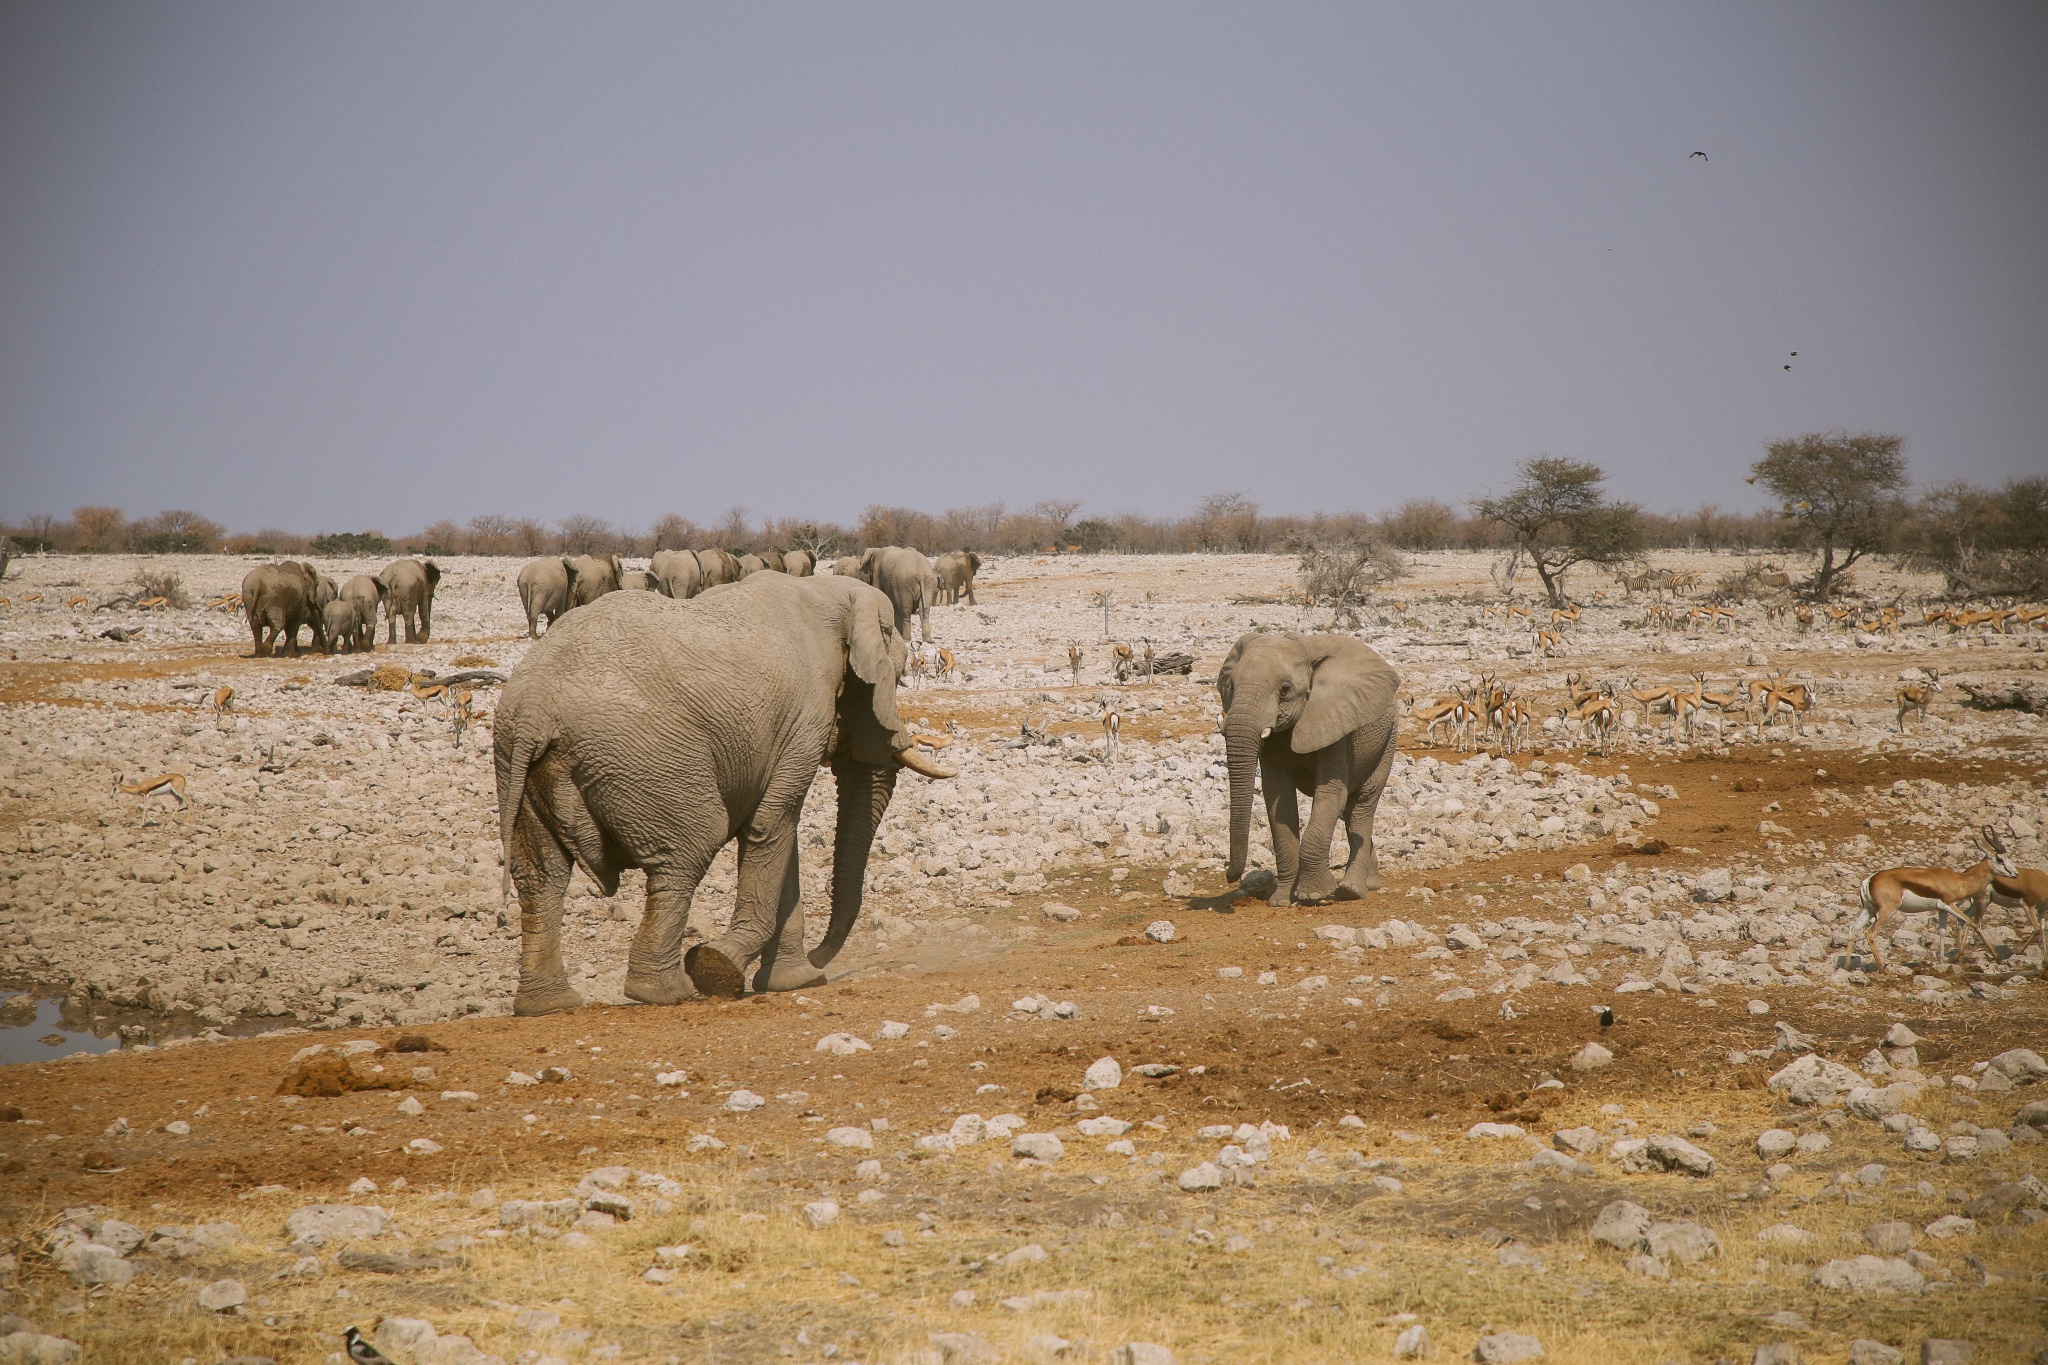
(361, 1351)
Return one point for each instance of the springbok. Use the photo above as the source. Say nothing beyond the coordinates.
(1656, 699)
(1546, 641)
(1121, 661)
(1600, 716)
(1918, 697)
(1112, 726)
(78, 601)
(946, 664)
(1442, 711)
(153, 603)
(1896, 891)
(2026, 890)
(1074, 662)
(174, 783)
(1570, 613)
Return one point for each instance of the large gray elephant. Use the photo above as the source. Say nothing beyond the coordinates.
(751, 564)
(342, 627)
(279, 598)
(717, 566)
(409, 596)
(956, 570)
(1316, 714)
(676, 573)
(908, 579)
(637, 580)
(645, 732)
(543, 592)
(592, 576)
(847, 566)
(799, 563)
(366, 595)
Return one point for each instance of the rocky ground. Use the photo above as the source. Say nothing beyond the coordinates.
(1332, 1127)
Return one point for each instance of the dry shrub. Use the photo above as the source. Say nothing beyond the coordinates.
(1339, 573)
(475, 661)
(390, 678)
(162, 583)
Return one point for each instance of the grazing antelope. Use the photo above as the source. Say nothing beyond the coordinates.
(1112, 726)
(231, 602)
(1120, 661)
(1562, 615)
(2026, 890)
(427, 691)
(174, 783)
(463, 715)
(1656, 699)
(1575, 688)
(1545, 641)
(1512, 612)
(915, 664)
(1727, 703)
(1074, 662)
(1148, 658)
(1896, 891)
(78, 601)
(1804, 616)
(153, 603)
(1918, 697)
(945, 664)
(1487, 611)
(1599, 716)
(222, 703)
(31, 597)
(1443, 711)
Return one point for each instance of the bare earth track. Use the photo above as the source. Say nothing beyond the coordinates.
(353, 896)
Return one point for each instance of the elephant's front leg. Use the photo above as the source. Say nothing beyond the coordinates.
(1332, 790)
(1283, 818)
(783, 964)
(540, 874)
(719, 968)
(654, 964)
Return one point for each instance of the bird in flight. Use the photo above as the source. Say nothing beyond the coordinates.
(1701, 155)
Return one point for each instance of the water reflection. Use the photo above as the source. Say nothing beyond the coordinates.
(27, 1026)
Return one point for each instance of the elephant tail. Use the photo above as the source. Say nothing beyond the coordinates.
(518, 747)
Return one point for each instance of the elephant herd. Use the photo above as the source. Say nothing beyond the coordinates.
(551, 588)
(282, 597)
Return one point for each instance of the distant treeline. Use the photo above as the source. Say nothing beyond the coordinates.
(1950, 528)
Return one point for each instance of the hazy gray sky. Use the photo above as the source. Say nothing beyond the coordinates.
(339, 265)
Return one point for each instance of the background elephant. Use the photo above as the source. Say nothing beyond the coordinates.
(715, 567)
(591, 577)
(799, 563)
(909, 581)
(325, 592)
(676, 573)
(544, 592)
(636, 580)
(342, 626)
(409, 596)
(279, 598)
(751, 564)
(956, 570)
(645, 732)
(1316, 714)
(847, 566)
(366, 594)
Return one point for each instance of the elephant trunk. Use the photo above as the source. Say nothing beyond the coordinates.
(1241, 735)
(864, 792)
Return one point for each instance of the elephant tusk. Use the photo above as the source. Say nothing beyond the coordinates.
(918, 763)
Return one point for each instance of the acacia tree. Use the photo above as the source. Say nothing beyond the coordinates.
(1557, 515)
(1838, 492)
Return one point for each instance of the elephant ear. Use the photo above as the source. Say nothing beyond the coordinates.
(1226, 676)
(1352, 685)
(874, 730)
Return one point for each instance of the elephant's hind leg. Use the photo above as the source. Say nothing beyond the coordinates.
(784, 967)
(766, 856)
(540, 873)
(654, 964)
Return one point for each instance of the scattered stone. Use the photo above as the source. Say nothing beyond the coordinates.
(1038, 1146)
(822, 1213)
(1578, 1141)
(1494, 1130)
(1952, 1225)
(1946, 1351)
(1813, 1080)
(1103, 1074)
(1784, 1234)
(859, 1138)
(1864, 1351)
(317, 1224)
(1058, 913)
(1412, 1343)
(1140, 1353)
(843, 1045)
(1623, 1225)
(2019, 1065)
(1591, 1057)
(1683, 1241)
(1646, 1265)
(1776, 1353)
(1503, 1348)
(1870, 1275)
(743, 1101)
(223, 1296)
(1898, 1035)
(1207, 1176)
(1161, 931)
(1891, 1239)
(1774, 1144)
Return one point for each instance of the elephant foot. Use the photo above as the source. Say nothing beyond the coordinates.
(545, 1000)
(661, 988)
(715, 974)
(1282, 897)
(1315, 892)
(788, 976)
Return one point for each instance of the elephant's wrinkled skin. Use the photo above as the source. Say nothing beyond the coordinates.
(1316, 714)
(908, 579)
(592, 576)
(543, 593)
(409, 596)
(645, 732)
(279, 598)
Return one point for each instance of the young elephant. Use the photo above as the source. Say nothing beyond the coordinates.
(646, 732)
(342, 626)
(366, 594)
(1316, 714)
